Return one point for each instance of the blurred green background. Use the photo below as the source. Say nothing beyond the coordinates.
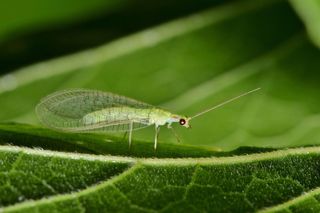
(181, 55)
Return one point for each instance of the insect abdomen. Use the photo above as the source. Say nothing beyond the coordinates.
(118, 115)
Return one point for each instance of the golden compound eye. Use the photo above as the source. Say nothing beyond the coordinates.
(182, 121)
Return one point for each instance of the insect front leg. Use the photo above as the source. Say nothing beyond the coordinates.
(157, 129)
(175, 134)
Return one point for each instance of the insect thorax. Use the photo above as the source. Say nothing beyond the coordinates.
(159, 117)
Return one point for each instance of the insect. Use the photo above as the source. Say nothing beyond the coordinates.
(83, 110)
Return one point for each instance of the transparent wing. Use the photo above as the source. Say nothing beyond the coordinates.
(65, 110)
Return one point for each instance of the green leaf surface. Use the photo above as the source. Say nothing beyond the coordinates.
(309, 11)
(78, 182)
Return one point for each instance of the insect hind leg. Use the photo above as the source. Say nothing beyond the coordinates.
(124, 136)
(130, 133)
(157, 130)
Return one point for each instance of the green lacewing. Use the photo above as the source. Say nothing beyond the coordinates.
(83, 110)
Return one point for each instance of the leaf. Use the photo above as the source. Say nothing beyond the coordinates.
(32, 31)
(36, 14)
(309, 11)
(30, 136)
(192, 63)
(227, 184)
(47, 16)
(185, 65)
(39, 34)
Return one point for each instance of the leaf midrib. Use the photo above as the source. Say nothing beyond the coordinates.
(167, 161)
(289, 203)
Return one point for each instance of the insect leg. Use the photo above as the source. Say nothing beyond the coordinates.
(124, 136)
(130, 133)
(175, 134)
(157, 128)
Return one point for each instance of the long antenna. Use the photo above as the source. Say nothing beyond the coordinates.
(223, 103)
